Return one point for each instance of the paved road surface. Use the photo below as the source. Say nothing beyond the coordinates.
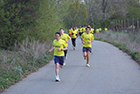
(111, 72)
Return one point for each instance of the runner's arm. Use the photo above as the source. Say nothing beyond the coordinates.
(51, 49)
(59, 49)
(68, 40)
(82, 41)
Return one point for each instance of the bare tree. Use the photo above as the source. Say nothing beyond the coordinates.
(103, 9)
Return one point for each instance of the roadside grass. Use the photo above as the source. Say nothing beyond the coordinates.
(26, 58)
(127, 42)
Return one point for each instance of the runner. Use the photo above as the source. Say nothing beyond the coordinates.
(73, 37)
(91, 29)
(84, 29)
(66, 38)
(100, 29)
(105, 29)
(70, 30)
(87, 38)
(59, 46)
(80, 31)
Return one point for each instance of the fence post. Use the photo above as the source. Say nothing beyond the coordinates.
(137, 24)
(124, 25)
(118, 26)
(133, 24)
(121, 25)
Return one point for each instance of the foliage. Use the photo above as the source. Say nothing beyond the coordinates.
(49, 21)
(133, 9)
(27, 58)
(78, 15)
(15, 18)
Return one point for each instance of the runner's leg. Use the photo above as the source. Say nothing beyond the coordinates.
(88, 57)
(57, 69)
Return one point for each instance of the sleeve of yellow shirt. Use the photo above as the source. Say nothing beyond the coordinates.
(68, 37)
(82, 36)
(92, 38)
(64, 44)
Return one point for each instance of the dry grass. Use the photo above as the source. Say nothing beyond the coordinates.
(131, 40)
(26, 58)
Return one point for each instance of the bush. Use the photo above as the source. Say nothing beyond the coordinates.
(25, 59)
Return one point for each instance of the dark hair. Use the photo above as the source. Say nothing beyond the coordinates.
(73, 28)
(58, 33)
(87, 28)
(61, 28)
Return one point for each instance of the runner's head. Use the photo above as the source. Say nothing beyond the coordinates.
(89, 26)
(62, 31)
(57, 35)
(88, 30)
(74, 28)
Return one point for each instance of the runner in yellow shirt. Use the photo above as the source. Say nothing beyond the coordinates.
(70, 30)
(105, 29)
(97, 31)
(59, 46)
(80, 31)
(87, 38)
(77, 30)
(84, 29)
(100, 29)
(66, 38)
(91, 29)
(73, 37)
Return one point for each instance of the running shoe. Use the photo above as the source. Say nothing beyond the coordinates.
(88, 65)
(85, 58)
(57, 79)
(74, 48)
(64, 64)
(65, 58)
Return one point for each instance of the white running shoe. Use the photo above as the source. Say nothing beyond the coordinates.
(57, 79)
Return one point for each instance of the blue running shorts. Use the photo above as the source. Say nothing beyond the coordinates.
(86, 49)
(59, 59)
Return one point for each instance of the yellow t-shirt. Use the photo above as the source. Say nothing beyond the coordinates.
(70, 30)
(91, 30)
(59, 44)
(77, 30)
(100, 29)
(105, 29)
(65, 37)
(86, 38)
(80, 30)
(74, 34)
(97, 30)
(84, 30)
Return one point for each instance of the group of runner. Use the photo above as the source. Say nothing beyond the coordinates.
(60, 45)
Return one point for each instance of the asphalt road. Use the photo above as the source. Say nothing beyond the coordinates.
(111, 72)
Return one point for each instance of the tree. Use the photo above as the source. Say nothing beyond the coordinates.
(15, 18)
(101, 10)
(133, 9)
(77, 14)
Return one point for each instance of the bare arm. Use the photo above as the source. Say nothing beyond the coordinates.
(82, 41)
(68, 40)
(51, 49)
